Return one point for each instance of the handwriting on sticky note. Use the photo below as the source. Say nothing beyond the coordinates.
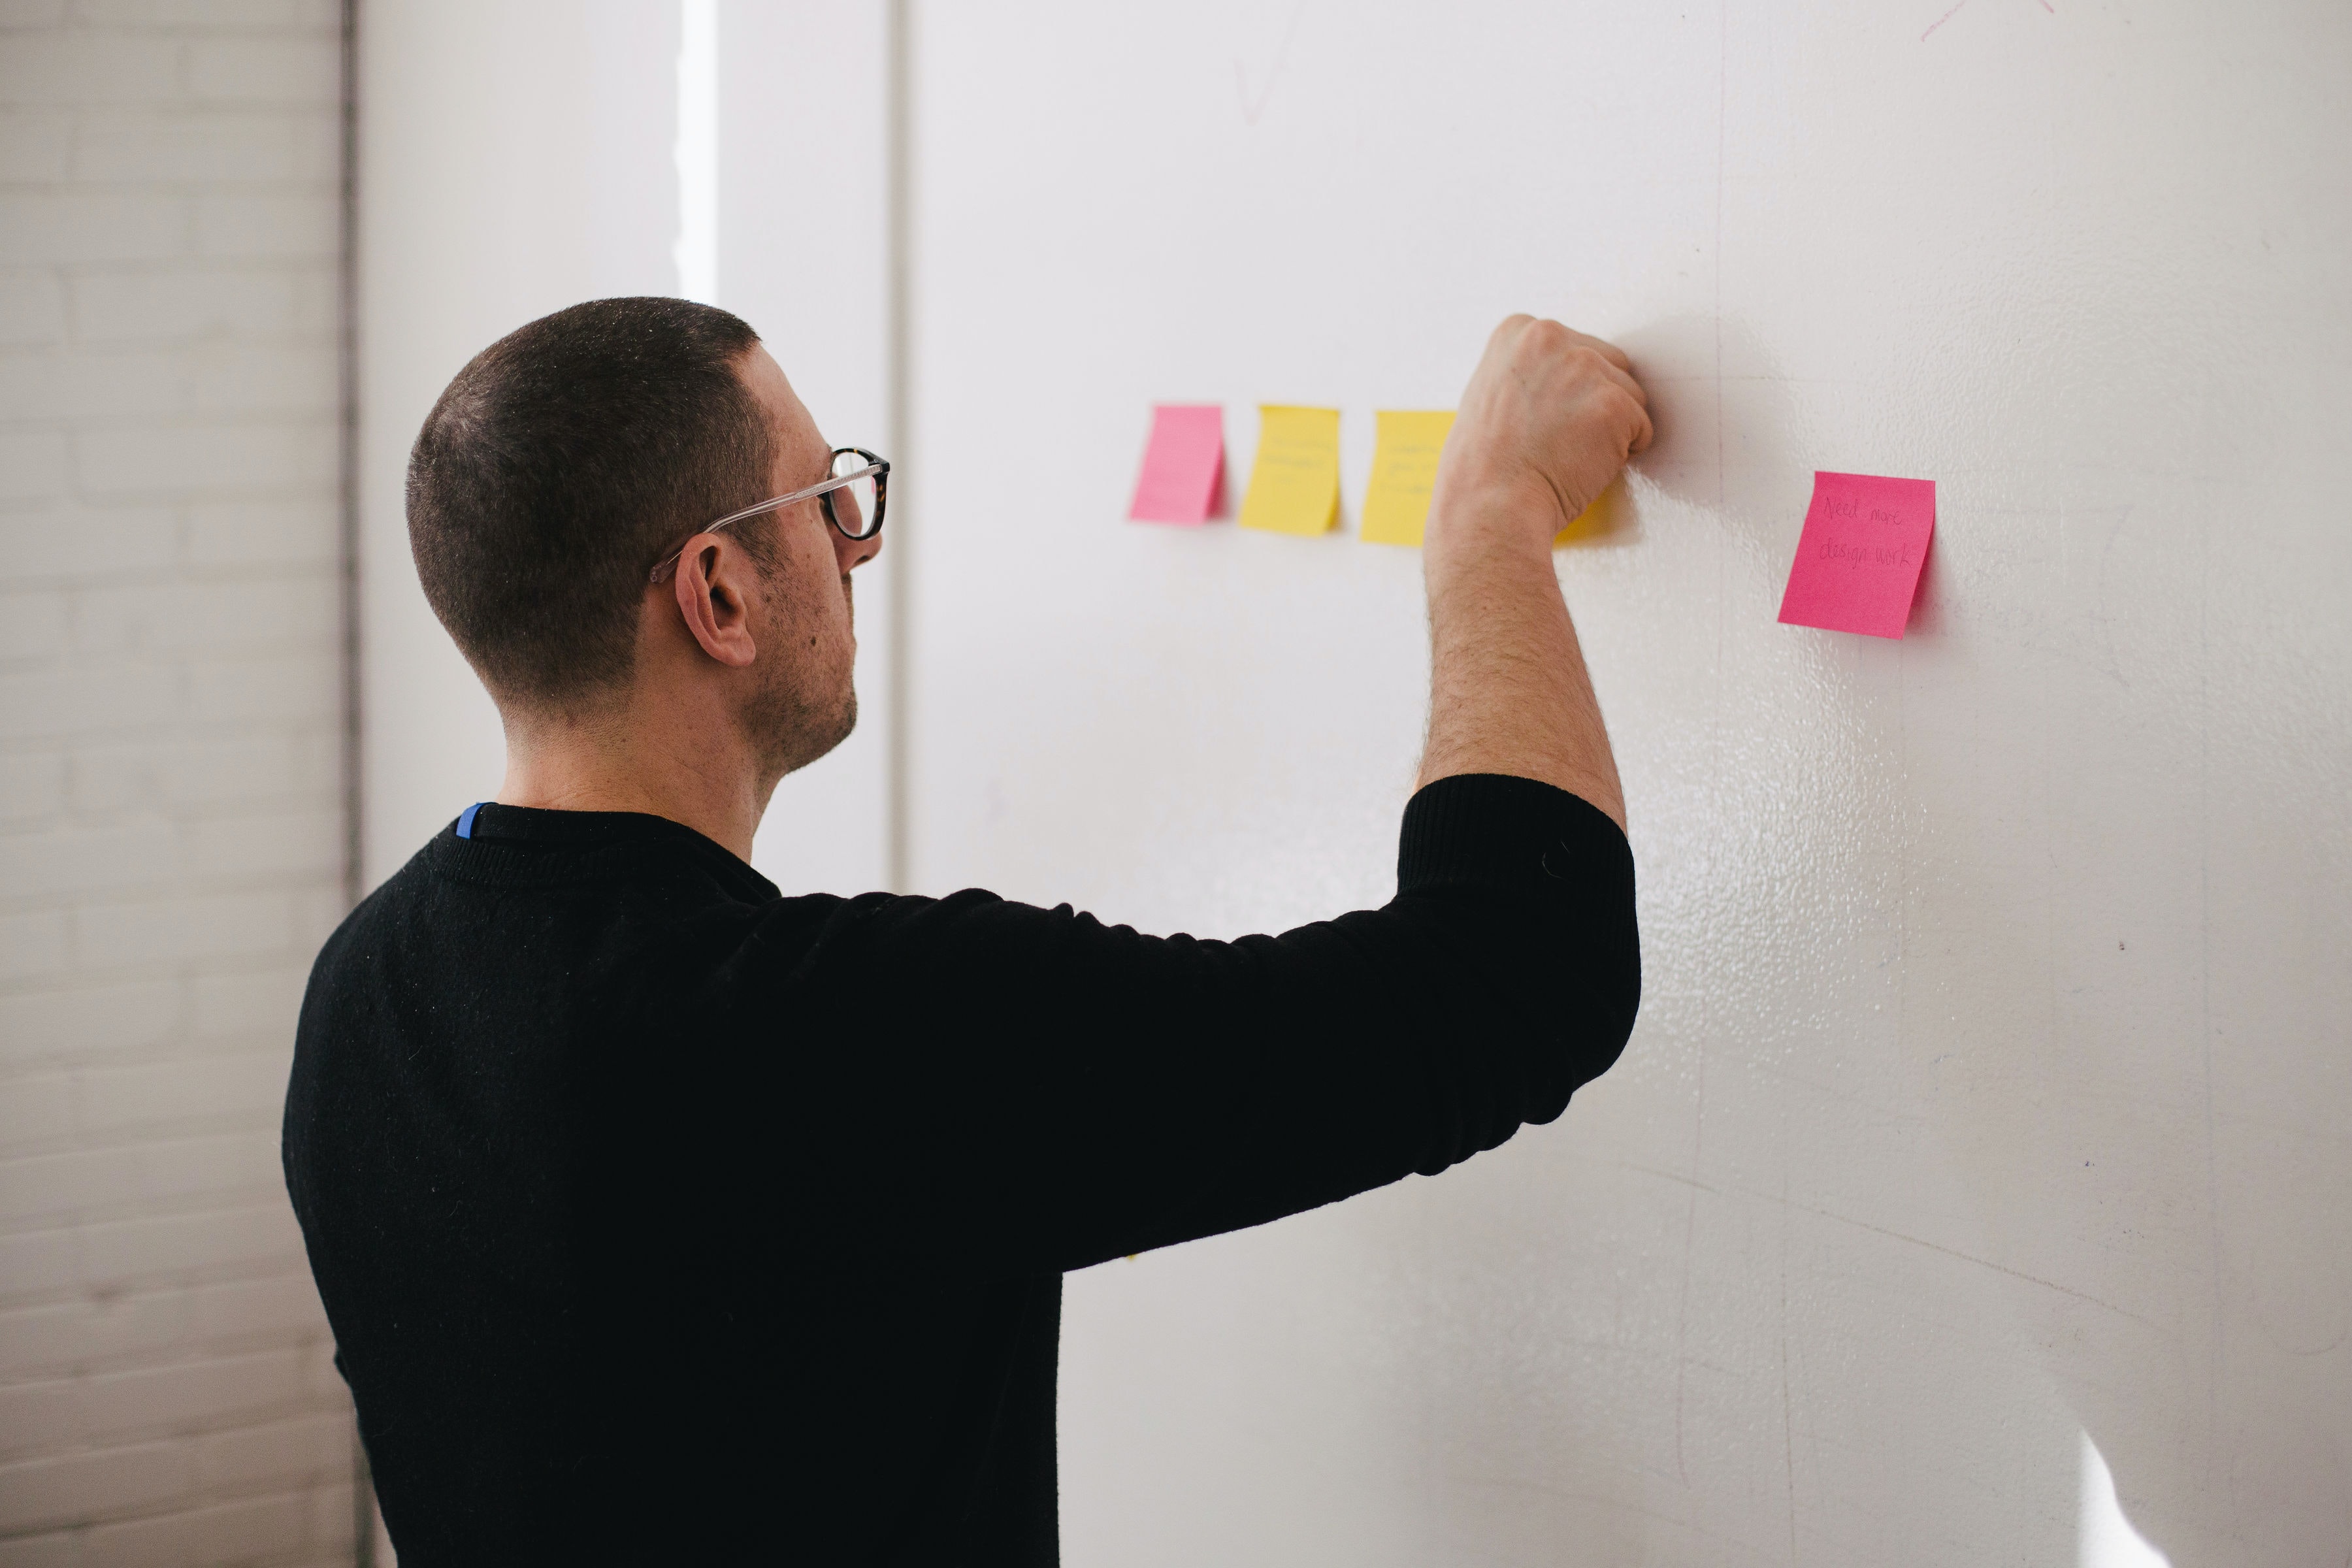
(1295, 484)
(1858, 559)
(1404, 468)
(1183, 464)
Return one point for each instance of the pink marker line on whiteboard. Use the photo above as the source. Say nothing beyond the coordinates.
(1182, 465)
(1858, 559)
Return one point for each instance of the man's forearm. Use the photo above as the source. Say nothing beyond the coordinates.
(1547, 421)
(1509, 689)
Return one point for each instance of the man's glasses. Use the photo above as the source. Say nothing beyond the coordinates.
(852, 501)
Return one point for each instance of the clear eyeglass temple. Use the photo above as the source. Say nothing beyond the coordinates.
(661, 572)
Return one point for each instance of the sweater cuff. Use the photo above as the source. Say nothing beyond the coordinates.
(1492, 831)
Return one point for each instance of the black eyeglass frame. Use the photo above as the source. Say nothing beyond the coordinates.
(878, 469)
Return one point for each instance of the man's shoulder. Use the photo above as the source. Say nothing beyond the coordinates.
(396, 904)
(450, 906)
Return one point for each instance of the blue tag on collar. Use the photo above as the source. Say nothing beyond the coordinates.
(466, 819)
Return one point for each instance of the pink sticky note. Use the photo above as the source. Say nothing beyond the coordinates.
(1183, 465)
(1858, 559)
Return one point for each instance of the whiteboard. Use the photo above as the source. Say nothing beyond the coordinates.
(1990, 1085)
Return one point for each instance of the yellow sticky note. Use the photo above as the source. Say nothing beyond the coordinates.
(1295, 484)
(1404, 467)
(1596, 521)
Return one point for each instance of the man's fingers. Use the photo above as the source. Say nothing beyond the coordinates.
(1509, 332)
(1514, 325)
(1555, 369)
(1601, 346)
(1623, 378)
(1644, 432)
(1568, 349)
(1607, 350)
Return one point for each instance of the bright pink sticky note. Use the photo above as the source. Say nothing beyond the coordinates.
(1858, 559)
(1183, 464)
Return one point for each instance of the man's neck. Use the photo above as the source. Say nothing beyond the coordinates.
(691, 768)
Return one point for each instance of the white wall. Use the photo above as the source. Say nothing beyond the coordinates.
(1989, 1084)
(517, 157)
(170, 825)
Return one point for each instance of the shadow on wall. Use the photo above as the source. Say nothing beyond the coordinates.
(1703, 434)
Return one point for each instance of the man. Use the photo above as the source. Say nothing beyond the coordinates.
(661, 1217)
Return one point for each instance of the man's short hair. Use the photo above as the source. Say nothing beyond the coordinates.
(558, 467)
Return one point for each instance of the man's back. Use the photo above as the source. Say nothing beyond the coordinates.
(653, 1211)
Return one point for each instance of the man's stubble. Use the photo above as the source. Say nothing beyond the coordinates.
(805, 707)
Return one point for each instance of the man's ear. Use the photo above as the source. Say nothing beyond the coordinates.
(712, 581)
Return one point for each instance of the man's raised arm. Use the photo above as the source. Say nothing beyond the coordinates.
(1066, 1092)
(1548, 420)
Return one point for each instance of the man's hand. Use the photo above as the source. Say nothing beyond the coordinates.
(1549, 414)
(1548, 420)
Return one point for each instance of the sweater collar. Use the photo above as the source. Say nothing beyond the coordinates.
(488, 828)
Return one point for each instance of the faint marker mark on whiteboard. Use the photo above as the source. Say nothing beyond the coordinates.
(1252, 106)
(1955, 11)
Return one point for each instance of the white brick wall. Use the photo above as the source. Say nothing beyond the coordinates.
(171, 824)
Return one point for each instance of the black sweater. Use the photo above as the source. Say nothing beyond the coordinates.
(660, 1217)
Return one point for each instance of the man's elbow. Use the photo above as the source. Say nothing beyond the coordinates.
(1587, 1014)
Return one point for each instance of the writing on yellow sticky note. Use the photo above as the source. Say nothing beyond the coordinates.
(1295, 484)
(1404, 468)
